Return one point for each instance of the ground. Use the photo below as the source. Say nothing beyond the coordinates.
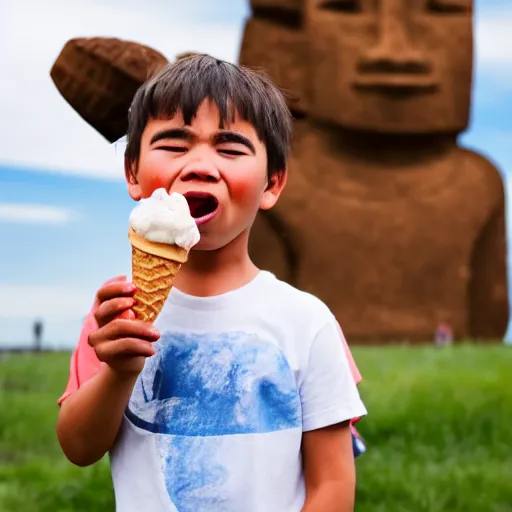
(438, 432)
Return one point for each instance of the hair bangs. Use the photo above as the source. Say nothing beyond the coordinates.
(167, 98)
(183, 86)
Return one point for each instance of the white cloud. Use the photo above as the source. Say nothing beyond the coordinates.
(18, 301)
(39, 129)
(493, 36)
(493, 59)
(35, 214)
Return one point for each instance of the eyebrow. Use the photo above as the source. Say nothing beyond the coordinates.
(170, 134)
(236, 138)
(220, 138)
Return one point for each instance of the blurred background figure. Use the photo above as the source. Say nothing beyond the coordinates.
(38, 335)
(444, 335)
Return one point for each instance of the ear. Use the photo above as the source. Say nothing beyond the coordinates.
(130, 171)
(275, 186)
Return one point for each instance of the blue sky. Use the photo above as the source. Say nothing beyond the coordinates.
(63, 204)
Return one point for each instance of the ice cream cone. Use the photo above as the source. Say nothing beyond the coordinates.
(154, 267)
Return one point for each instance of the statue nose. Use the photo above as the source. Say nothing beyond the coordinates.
(394, 51)
(389, 59)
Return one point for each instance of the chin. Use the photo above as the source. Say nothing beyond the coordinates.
(206, 245)
(212, 243)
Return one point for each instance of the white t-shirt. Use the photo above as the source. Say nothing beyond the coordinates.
(216, 417)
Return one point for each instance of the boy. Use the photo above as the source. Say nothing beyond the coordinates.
(239, 398)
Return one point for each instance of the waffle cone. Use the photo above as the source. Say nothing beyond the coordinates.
(154, 267)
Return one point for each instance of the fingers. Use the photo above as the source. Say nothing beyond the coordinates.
(111, 309)
(116, 289)
(123, 328)
(125, 347)
(120, 339)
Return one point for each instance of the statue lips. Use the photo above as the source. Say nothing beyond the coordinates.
(388, 75)
(204, 206)
(396, 82)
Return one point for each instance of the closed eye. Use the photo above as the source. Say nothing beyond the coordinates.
(231, 152)
(173, 149)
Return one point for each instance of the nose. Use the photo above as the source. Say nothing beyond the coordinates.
(394, 51)
(200, 169)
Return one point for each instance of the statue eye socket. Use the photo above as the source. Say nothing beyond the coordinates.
(449, 6)
(345, 6)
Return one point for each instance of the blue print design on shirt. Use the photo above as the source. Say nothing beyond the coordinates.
(212, 385)
(198, 386)
(193, 475)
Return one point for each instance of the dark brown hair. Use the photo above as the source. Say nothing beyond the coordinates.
(185, 84)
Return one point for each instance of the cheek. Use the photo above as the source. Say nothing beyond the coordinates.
(151, 183)
(154, 173)
(246, 189)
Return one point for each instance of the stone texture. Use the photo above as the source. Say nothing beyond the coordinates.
(282, 57)
(99, 76)
(385, 216)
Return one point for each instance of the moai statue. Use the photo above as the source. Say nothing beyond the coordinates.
(386, 216)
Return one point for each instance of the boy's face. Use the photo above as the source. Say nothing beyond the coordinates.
(221, 172)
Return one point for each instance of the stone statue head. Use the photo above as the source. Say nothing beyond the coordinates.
(390, 66)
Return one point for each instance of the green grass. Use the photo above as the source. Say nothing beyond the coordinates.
(438, 432)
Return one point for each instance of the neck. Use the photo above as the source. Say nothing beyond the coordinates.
(389, 149)
(210, 273)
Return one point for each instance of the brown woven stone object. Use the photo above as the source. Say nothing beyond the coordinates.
(385, 217)
(99, 76)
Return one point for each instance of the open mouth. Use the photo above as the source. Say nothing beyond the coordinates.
(203, 206)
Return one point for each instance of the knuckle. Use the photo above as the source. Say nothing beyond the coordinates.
(99, 313)
(117, 328)
(117, 325)
(126, 345)
(101, 354)
(119, 303)
(91, 338)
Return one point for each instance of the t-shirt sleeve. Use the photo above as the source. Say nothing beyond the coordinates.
(84, 363)
(328, 389)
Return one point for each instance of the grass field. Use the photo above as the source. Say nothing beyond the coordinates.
(439, 434)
